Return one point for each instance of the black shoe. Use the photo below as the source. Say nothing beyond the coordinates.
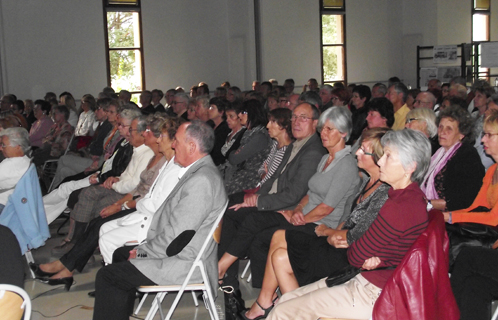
(67, 282)
(91, 294)
(39, 272)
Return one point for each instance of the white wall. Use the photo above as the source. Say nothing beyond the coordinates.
(52, 46)
(59, 45)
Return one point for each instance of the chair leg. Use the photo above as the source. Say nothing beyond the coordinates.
(29, 258)
(195, 298)
(140, 304)
(249, 278)
(245, 269)
(495, 315)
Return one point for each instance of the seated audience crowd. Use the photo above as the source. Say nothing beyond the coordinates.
(334, 178)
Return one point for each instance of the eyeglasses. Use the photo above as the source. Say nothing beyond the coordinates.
(420, 102)
(300, 118)
(410, 120)
(3, 145)
(124, 125)
(488, 134)
(366, 153)
(176, 102)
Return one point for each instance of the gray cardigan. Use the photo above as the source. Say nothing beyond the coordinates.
(189, 211)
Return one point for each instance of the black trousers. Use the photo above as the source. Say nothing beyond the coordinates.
(115, 287)
(83, 249)
(475, 282)
(254, 236)
(232, 221)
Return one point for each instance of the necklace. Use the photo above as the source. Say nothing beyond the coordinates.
(360, 198)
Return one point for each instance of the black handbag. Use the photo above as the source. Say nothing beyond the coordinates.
(234, 304)
(469, 235)
(343, 275)
(347, 273)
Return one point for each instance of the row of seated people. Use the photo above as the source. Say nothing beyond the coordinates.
(297, 121)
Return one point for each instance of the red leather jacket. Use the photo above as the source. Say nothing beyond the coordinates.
(420, 287)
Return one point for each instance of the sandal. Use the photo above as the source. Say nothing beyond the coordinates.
(267, 312)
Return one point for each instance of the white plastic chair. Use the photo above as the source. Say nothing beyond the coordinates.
(162, 291)
(495, 315)
(245, 271)
(11, 307)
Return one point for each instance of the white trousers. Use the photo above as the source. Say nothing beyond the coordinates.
(113, 235)
(352, 300)
(56, 201)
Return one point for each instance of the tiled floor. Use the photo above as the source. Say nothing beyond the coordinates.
(56, 303)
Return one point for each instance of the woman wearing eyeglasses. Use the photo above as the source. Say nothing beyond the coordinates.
(488, 195)
(455, 174)
(331, 192)
(296, 259)
(424, 120)
(243, 164)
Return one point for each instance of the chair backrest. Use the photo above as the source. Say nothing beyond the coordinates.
(419, 287)
(24, 213)
(14, 301)
(210, 236)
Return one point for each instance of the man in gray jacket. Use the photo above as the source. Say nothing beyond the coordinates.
(176, 234)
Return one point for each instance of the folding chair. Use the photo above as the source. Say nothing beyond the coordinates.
(162, 291)
(14, 301)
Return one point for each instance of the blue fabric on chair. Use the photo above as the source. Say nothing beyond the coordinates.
(24, 213)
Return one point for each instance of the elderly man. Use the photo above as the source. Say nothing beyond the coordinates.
(180, 105)
(426, 100)
(397, 94)
(6, 101)
(176, 234)
(284, 190)
(14, 146)
(146, 102)
(289, 86)
(326, 95)
(379, 90)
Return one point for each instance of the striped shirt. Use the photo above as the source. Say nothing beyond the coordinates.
(272, 162)
(399, 223)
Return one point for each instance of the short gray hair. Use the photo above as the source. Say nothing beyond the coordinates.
(183, 96)
(413, 147)
(426, 115)
(130, 113)
(18, 137)
(202, 134)
(341, 117)
(141, 124)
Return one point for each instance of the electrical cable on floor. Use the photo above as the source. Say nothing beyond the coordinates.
(43, 293)
(57, 315)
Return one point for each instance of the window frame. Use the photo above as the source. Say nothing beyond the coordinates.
(107, 7)
(479, 72)
(334, 11)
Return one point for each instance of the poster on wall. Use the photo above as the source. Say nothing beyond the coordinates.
(427, 74)
(445, 54)
(446, 73)
(489, 55)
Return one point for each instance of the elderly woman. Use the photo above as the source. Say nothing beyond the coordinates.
(488, 195)
(87, 116)
(404, 163)
(455, 174)
(243, 163)
(297, 259)
(61, 271)
(15, 147)
(42, 125)
(280, 130)
(57, 139)
(328, 201)
(424, 120)
(216, 113)
(232, 142)
(67, 99)
(380, 113)
(340, 97)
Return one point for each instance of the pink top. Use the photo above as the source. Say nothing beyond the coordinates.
(39, 130)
